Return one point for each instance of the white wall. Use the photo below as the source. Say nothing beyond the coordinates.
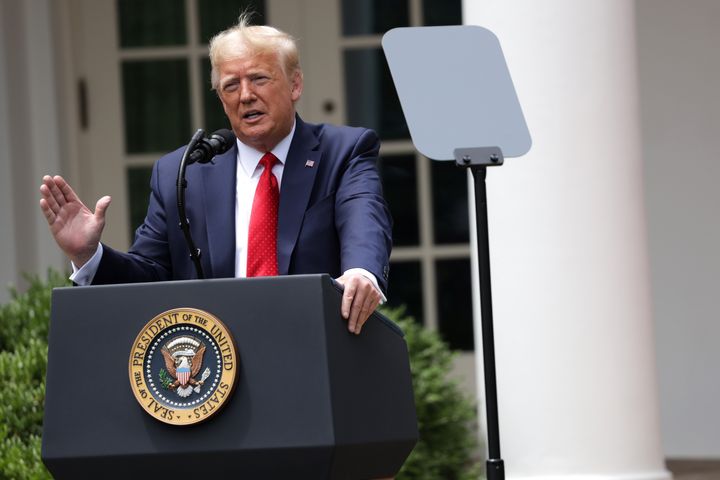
(679, 60)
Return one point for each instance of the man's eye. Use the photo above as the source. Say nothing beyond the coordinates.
(230, 87)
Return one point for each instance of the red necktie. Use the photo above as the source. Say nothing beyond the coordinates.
(262, 233)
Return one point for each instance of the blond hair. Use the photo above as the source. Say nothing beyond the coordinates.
(242, 38)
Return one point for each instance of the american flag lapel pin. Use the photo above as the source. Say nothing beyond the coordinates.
(310, 163)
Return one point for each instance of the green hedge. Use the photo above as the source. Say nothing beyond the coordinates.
(446, 417)
(448, 444)
(23, 360)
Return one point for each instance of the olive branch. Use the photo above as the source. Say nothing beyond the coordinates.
(165, 379)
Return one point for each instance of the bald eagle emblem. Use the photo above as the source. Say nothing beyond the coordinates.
(183, 361)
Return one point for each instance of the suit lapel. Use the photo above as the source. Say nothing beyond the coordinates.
(219, 182)
(297, 183)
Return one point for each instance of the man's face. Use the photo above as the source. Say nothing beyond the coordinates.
(258, 98)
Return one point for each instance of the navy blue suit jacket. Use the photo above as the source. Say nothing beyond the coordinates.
(332, 214)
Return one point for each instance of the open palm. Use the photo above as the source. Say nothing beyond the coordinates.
(74, 226)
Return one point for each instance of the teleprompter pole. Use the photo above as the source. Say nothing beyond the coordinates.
(477, 160)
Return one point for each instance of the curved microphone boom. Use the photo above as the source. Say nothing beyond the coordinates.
(200, 150)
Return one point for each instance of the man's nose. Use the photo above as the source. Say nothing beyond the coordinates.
(247, 94)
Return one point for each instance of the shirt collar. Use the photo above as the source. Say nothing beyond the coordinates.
(249, 158)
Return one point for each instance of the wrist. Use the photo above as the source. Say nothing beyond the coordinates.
(81, 259)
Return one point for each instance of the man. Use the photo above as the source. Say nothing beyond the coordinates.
(331, 217)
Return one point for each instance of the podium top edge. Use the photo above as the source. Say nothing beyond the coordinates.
(280, 279)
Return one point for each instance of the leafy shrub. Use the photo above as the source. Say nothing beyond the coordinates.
(23, 361)
(446, 417)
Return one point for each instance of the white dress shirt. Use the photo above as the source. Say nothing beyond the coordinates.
(247, 177)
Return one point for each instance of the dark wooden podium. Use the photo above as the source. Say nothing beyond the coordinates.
(312, 400)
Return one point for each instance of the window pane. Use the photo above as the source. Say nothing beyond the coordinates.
(370, 94)
(399, 178)
(363, 17)
(214, 116)
(442, 12)
(450, 203)
(151, 24)
(156, 100)
(406, 288)
(138, 180)
(454, 303)
(217, 15)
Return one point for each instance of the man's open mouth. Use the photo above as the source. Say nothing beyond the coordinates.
(251, 115)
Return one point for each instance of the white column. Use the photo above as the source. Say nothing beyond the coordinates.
(29, 136)
(679, 75)
(7, 216)
(42, 139)
(574, 338)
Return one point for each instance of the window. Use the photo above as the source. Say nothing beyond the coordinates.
(430, 264)
(166, 91)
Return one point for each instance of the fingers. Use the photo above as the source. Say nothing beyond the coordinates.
(364, 304)
(360, 298)
(46, 190)
(57, 192)
(347, 298)
(54, 195)
(47, 211)
(68, 193)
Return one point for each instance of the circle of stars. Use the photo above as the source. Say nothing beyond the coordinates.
(164, 336)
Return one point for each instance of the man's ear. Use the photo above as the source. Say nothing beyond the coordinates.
(296, 85)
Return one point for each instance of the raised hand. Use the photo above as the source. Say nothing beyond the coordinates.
(75, 227)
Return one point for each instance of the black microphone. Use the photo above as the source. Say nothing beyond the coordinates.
(219, 142)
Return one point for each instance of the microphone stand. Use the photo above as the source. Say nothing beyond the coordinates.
(181, 186)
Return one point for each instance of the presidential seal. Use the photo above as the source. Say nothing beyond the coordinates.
(183, 366)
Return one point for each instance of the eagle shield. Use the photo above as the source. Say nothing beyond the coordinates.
(183, 360)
